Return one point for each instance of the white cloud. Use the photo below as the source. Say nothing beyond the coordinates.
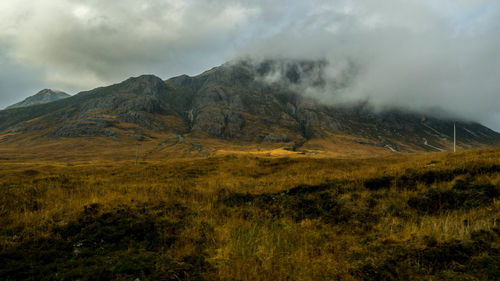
(409, 52)
(82, 44)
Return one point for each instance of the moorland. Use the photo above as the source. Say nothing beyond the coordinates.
(244, 216)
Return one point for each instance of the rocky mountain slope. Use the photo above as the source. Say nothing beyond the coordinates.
(237, 102)
(44, 96)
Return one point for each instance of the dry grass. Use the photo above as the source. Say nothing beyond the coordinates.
(251, 240)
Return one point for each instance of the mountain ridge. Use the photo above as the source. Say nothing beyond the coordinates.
(232, 103)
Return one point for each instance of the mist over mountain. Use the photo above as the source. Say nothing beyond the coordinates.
(254, 102)
(408, 54)
(250, 140)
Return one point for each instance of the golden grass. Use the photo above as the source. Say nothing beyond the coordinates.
(247, 243)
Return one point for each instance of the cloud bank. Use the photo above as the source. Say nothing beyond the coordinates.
(418, 54)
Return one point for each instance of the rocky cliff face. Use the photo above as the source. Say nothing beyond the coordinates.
(244, 101)
(263, 102)
(44, 96)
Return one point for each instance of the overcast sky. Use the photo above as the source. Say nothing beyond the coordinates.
(412, 53)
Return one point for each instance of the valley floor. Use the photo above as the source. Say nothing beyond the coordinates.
(428, 216)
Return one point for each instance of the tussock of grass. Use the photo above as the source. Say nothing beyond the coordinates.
(477, 258)
(463, 195)
(246, 217)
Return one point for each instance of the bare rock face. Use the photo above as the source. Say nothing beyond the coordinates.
(144, 85)
(245, 100)
(143, 119)
(276, 137)
(211, 121)
(219, 123)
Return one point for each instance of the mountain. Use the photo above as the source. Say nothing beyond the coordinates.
(44, 96)
(245, 103)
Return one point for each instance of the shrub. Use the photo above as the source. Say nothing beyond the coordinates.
(477, 258)
(463, 195)
(122, 244)
(379, 183)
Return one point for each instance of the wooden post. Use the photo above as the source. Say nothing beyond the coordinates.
(454, 137)
(137, 154)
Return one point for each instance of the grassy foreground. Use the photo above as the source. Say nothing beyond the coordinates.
(428, 216)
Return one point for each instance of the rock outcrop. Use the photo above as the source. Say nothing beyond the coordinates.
(244, 101)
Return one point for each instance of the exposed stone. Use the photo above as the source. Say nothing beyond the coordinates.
(274, 137)
(240, 100)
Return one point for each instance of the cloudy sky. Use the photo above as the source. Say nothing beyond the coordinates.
(439, 54)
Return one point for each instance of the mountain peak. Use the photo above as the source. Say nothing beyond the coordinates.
(144, 84)
(44, 96)
(50, 92)
(255, 101)
(149, 78)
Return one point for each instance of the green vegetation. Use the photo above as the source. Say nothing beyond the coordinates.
(242, 217)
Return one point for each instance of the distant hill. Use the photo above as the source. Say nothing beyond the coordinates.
(44, 96)
(239, 102)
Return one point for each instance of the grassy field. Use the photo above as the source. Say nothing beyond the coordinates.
(429, 216)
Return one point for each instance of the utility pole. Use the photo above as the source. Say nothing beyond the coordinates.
(136, 154)
(454, 137)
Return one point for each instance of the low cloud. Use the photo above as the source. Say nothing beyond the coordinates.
(406, 54)
(417, 54)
